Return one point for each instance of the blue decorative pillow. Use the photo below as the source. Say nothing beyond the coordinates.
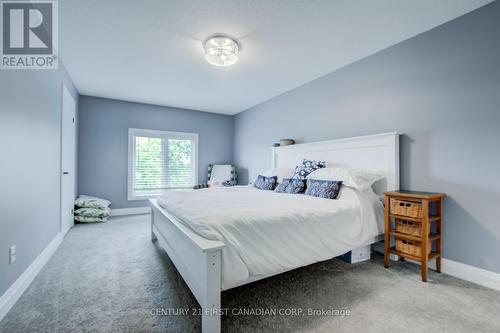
(292, 186)
(306, 167)
(266, 183)
(328, 189)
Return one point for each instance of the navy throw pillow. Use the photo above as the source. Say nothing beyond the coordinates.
(328, 189)
(292, 186)
(266, 183)
(306, 167)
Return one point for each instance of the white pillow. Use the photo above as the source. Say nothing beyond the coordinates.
(357, 179)
(86, 201)
(279, 172)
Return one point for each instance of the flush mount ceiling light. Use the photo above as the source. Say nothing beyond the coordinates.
(221, 50)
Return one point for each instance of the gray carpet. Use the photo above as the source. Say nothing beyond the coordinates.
(108, 278)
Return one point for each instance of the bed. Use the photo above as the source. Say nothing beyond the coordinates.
(225, 237)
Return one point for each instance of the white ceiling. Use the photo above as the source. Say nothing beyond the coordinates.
(150, 51)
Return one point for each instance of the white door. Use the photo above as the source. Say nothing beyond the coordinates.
(68, 160)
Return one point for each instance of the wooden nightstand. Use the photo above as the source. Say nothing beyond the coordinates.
(410, 212)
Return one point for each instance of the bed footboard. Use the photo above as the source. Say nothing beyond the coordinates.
(197, 259)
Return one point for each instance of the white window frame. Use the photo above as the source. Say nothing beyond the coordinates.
(132, 133)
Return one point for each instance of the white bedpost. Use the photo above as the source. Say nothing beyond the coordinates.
(197, 259)
(210, 321)
(153, 236)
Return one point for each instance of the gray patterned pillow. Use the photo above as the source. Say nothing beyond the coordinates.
(90, 219)
(93, 212)
(328, 189)
(86, 201)
(266, 183)
(292, 186)
(306, 167)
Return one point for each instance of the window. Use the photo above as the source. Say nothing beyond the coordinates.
(160, 160)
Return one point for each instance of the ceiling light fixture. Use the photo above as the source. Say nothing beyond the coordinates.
(221, 50)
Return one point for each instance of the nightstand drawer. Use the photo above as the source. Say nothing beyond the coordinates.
(406, 208)
(409, 227)
(413, 248)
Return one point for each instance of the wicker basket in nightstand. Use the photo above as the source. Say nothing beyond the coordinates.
(406, 208)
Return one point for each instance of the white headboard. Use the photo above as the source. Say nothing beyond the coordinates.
(379, 153)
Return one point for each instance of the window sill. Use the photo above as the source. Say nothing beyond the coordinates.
(141, 197)
(137, 197)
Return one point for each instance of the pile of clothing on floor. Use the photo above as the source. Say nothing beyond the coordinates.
(91, 209)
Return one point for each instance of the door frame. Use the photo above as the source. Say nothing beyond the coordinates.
(64, 86)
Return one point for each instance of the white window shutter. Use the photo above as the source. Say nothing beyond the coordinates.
(160, 160)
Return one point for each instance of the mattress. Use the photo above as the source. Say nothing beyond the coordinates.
(267, 232)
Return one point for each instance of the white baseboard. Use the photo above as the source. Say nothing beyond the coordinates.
(10, 297)
(470, 273)
(131, 211)
(465, 272)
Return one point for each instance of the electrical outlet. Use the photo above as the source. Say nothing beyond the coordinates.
(12, 254)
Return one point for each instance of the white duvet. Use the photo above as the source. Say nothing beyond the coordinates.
(267, 232)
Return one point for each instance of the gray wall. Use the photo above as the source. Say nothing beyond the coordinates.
(103, 142)
(440, 89)
(30, 120)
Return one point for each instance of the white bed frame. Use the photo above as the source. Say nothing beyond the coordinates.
(198, 259)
